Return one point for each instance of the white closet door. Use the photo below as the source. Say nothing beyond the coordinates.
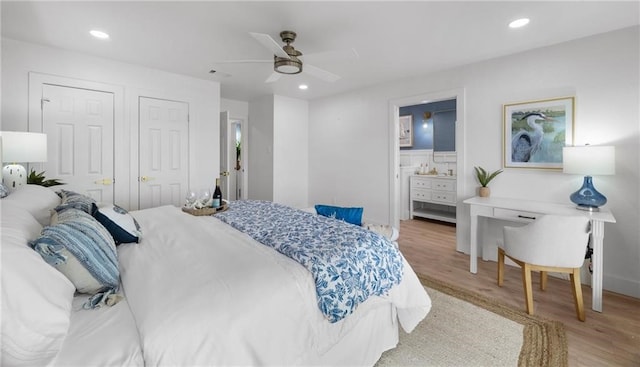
(79, 127)
(164, 149)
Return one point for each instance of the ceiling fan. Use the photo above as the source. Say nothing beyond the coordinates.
(286, 59)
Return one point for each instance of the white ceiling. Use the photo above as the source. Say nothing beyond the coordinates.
(394, 40)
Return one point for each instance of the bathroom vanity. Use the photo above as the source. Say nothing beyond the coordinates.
(433, 197)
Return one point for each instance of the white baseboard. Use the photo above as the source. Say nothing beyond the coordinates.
(615, 284)
(627, 287)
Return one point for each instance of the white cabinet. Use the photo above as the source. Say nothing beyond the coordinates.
(405, 188)
(433, 197)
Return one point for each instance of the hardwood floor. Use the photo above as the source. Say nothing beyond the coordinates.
(610, 338)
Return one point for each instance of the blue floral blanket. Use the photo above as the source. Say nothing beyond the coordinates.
(348, 263)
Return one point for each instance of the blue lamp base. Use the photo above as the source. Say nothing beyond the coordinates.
(588, 198)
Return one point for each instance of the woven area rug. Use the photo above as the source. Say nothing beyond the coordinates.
(467, 329)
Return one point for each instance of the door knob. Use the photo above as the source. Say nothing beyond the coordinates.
(104, 181)
(146, 178)
(225, 173)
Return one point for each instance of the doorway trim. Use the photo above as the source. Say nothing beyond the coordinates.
(394, 145)
(243, 163)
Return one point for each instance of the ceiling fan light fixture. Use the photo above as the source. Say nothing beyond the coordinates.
(287, 66)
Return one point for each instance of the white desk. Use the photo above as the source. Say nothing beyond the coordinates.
(526, 210)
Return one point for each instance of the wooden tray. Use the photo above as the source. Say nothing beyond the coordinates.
(205, 211)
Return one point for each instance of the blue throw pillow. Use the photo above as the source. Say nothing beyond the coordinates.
(122, 225)
(349, 215)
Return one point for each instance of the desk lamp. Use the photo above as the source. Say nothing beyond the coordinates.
(20, 147)
(589, 160)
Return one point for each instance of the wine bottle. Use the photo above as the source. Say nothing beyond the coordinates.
(217, 195)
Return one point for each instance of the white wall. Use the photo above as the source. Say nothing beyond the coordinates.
(291, 153)
(278, 150)
(237, 109)
(349, 152)
(20, 58)
(349, 136)
(261, 149)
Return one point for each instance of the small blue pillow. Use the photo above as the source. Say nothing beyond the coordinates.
(349, 215)
(122, 226)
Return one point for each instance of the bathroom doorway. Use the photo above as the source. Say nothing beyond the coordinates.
(233, 153)
(428, 159)
(394, 133)
(237, 169)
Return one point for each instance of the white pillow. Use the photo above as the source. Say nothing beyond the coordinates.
(391, 233)
(37, 200)
(36, 298)
(17, 221)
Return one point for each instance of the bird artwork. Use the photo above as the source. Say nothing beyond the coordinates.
(526, 143)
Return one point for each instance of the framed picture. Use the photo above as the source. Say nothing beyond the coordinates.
(406, 131)
(535, 132)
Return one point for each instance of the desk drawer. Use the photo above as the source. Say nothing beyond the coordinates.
(443, 197)
(515, 215)
(420, 183)
(443, 185)
(420, 194)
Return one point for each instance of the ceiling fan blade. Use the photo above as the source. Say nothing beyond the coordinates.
(242, 62)
(348, 54)
(270, 43)
(273, 77)
(320, 73)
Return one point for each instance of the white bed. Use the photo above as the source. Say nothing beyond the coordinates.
(196, 292)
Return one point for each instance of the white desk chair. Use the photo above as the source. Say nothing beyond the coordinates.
(551, 243)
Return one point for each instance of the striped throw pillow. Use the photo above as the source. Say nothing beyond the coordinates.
(71, 199)
(84, 251)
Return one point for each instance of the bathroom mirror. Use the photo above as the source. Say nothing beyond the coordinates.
(444, 131)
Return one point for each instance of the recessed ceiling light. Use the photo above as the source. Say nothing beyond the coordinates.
(303, 87)
(519, 23)
(99, 34)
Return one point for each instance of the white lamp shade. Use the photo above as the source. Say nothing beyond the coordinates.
(23, 147)
(589, 160)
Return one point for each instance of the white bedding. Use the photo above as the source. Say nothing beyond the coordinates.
(197, 292)
(106, 336)
(203, 293)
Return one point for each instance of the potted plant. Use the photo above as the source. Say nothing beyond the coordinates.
(238, 151)
(484, 178)
(39, 179)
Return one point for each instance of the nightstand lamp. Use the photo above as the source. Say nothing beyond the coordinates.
(23, 147)
(589, 160)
